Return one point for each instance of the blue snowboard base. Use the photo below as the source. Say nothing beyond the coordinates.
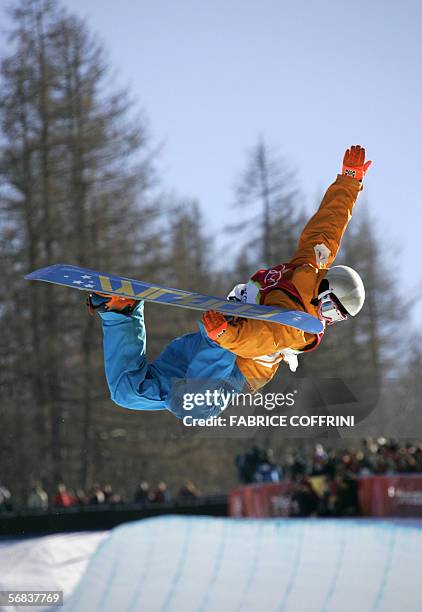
(90, 280)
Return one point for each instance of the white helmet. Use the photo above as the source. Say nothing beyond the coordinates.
(347, 286)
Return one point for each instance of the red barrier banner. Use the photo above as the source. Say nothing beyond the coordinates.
(261, 500)
(399, 495)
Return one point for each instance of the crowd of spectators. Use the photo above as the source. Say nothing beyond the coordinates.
(323, 482)
(63, 497)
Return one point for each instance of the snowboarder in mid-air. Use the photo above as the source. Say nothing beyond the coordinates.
(240, 354)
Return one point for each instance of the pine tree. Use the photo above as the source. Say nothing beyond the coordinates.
(76, 172)
(269, 190)
(186, 264)
(365, 344)
(406, 414)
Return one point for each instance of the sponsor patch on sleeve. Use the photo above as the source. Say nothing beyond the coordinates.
(322, 254)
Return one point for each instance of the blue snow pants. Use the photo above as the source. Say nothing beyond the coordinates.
(191, 364)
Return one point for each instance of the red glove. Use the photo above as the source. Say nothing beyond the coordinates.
(354, 162)
(215, 324)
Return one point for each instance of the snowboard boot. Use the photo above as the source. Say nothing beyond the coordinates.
(103, 302)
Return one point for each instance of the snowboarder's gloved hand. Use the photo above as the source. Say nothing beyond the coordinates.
(215, 324)
(354, 162)
(103, 302)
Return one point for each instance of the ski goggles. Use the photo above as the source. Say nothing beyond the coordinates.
(329, 309)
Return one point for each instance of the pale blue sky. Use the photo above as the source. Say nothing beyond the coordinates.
(311, 76)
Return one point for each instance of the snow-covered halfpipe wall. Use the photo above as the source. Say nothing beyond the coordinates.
(183, 564)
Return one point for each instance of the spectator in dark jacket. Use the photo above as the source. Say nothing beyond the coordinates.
(188, 491)
(142, 494)
(161, 494)
(6, 504)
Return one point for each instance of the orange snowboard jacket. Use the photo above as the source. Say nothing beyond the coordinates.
(259, 345)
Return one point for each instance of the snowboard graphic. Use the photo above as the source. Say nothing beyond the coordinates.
(90, 280)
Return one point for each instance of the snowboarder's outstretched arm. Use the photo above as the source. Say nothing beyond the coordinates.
(320, 240)
(318, 246)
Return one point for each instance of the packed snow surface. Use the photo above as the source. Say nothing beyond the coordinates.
(185, 564)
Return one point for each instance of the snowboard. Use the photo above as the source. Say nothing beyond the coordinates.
(90, 280)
